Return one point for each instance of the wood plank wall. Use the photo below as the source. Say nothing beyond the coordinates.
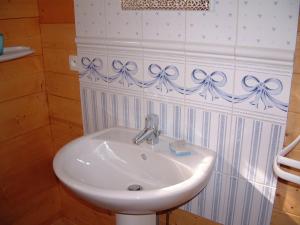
(58, 42)
(29, 192)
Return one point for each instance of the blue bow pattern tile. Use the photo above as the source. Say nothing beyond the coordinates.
(206, 85)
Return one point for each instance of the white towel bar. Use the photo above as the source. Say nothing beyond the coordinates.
(281, 159)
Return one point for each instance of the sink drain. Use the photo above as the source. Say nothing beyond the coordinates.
(135, 187)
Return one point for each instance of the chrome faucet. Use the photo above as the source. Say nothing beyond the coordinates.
(150, 133)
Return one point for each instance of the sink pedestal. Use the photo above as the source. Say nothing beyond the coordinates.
(123, 219)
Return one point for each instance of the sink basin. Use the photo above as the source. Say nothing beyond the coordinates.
(100, 167)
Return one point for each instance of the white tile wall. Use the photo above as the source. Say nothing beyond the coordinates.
(268, 23)
(217, 26)
(171, 25)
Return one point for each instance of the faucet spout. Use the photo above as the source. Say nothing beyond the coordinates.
(150, 132)
(143, 135)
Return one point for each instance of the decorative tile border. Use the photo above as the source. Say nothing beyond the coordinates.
(258, 92)
(165, 4)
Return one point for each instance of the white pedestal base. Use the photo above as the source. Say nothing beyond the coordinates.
(123, 219)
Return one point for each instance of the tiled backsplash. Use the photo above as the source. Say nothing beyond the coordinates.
(219, 79)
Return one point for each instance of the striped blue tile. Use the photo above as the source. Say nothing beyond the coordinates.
(95, 112)
(247, 204)
(238, 146)
(206, 123)
(163, 118)
(274, 142)
(221, 142)
(104, 110)
(150, 107)
(137, 113)
(216, 201)
(191, 124)
(114, 108)
(231, 201)
(254, 150)
(177, 122)
(126, 111)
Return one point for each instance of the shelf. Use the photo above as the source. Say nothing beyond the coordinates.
(11, 53)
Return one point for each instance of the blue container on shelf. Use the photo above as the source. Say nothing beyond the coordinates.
(1, 43)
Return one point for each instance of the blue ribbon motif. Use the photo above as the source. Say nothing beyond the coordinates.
(164, 78)
(92, 69)
(125, 72)
(209, 84)
(262, 91)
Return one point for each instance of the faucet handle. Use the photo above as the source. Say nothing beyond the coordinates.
(152, 121)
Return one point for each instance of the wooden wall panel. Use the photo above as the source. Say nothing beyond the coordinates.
(82, 213)
(26, 178)
(64, 132)
(65, 109)
(44, 209)
(22, 31)
(23, 115)
(34, 211)
(62, 221)
(18, 8)
(58, 36)
(15, 151)
(57, 60)
(63, 85)
(56, 11)
(25, 75)
(29, 191)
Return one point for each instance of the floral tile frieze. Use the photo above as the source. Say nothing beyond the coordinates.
(206, 85)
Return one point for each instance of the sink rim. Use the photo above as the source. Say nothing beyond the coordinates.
(198, 177)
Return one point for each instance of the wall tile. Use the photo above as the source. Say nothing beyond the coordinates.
(90, 18)
(215, 26)
(169, 76)
(233, 201)
(209, 84)
(129, 71)
(246, 202)
(267, 94)
(171, 117)
(268, 23)
(171, 25)
(93, 68)
(122, 24)
(254, 144)
(210, 129)
(129, 111)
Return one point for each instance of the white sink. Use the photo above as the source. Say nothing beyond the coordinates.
(100, 167)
